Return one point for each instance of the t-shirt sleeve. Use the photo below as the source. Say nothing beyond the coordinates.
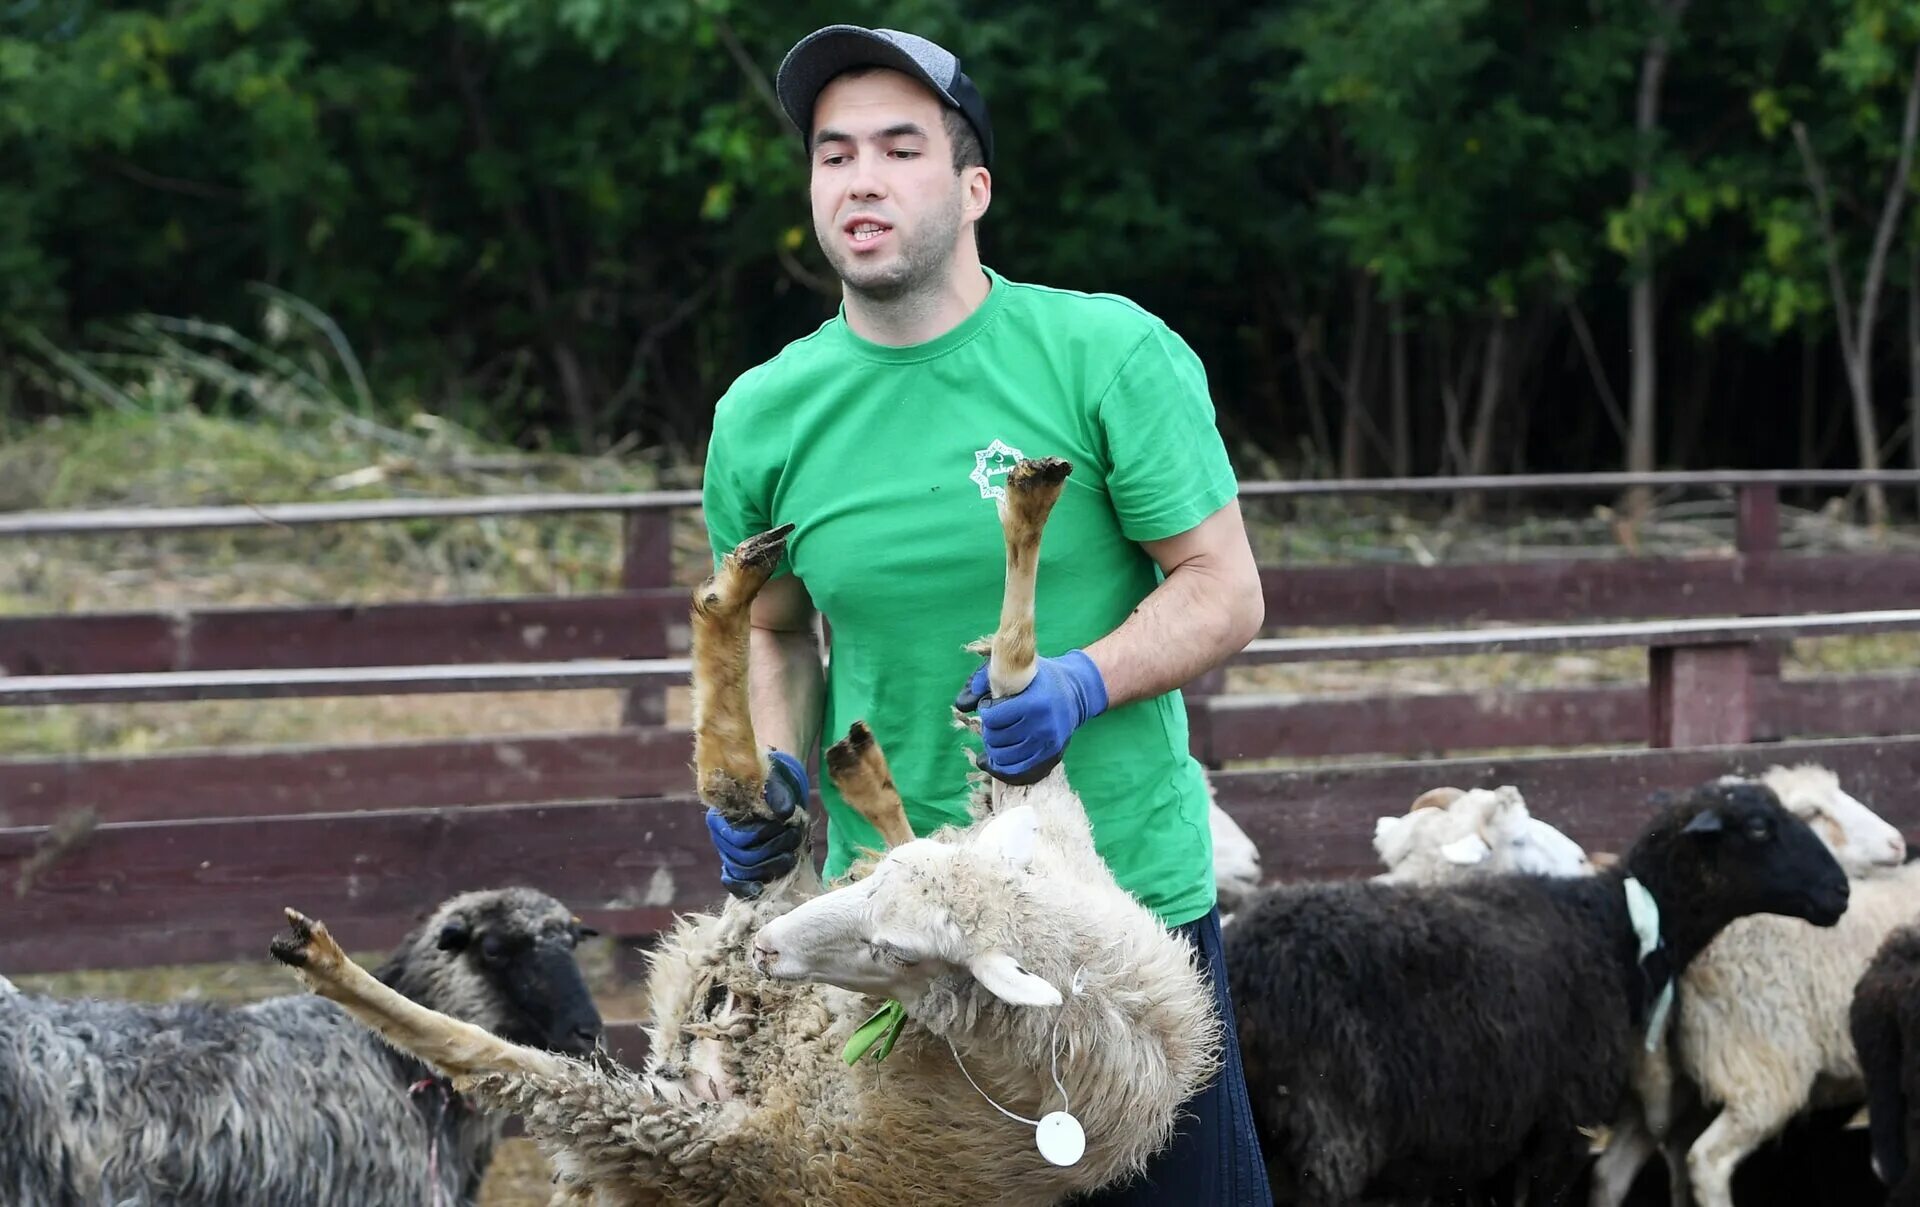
(1168, 465)
(735, 494)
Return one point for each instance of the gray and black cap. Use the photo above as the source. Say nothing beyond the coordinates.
(825, 53)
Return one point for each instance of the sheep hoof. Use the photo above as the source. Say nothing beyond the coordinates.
(845, 755)
(309, 946)
(762, 552)
(1037, 472)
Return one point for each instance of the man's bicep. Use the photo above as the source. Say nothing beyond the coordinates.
(783, 606)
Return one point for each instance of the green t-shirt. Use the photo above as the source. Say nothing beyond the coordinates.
(888, 460)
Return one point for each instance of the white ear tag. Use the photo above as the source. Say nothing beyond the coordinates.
(1060, 1138)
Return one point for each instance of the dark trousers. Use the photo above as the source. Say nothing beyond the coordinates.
(1214, 1159)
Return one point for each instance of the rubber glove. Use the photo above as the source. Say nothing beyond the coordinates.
(753, 854)
(1024, 735)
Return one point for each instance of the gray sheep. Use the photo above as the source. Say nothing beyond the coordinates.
(286, 1101)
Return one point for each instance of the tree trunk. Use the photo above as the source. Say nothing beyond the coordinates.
(1306, 332)
(1352, 458)
(1856, 342)
(1493, 376)
(1402, 417)
(1641, 318)
(1913, 361)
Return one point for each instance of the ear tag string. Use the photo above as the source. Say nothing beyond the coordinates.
(1057, 1134)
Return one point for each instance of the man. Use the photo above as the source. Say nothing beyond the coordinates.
(883, 436)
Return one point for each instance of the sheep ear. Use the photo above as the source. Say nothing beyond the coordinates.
(1012, 984)
(1707, 821)
(1011, 835)
(1469, 850)
(454, 935)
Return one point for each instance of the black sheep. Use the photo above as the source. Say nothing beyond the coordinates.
(1885, 1021)
(1415, 1040)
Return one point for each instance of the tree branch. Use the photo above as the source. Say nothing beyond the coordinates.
(1890, 212)
(1817, 182)
(749, 68)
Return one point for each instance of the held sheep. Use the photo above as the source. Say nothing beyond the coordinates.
(989, 944)
(1759, 1031)
(1449, 832)
(286, 1101)
(1416, 1039)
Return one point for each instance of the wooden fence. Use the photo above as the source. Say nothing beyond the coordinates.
(127, 861)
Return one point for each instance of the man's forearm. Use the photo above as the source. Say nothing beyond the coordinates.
(786, 689)
(1193, 621)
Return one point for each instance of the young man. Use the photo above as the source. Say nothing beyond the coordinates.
(883, 436)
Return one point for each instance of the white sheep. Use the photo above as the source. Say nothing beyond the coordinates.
(1760, 1021)
(1449, 832)
(1236, 860)
(1012, 963)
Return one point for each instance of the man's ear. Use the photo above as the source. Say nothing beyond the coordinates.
(1011, 835)
(1012, 984)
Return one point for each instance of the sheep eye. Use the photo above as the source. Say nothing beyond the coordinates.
(493, 949)
(891, 954)
(1759, 830)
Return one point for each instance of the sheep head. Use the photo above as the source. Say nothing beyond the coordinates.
(1449, 830)
(929, 909)
(503, 959)
(1859, 838)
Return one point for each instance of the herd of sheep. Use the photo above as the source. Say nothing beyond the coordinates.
(1493, 1017)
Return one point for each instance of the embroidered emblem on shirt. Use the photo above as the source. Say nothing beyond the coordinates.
(991, 464)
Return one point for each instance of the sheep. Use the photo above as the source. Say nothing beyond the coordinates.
(1760, 1024)
(1236, 860)
(1013, 977)
(1411, 1039)
(284, 1101)
(1448, 832)
(1884, 1024)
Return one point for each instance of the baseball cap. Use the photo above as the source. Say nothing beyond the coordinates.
(827, 52)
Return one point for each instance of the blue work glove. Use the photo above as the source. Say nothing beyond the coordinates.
(767, 850)
(1026, 734)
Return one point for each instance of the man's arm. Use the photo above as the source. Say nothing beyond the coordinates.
(1205, 611)
(786, 686)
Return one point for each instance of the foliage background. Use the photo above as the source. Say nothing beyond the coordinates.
(1402, 233)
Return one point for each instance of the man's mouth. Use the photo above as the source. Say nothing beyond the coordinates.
(866, 231)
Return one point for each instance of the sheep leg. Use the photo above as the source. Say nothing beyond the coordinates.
(729, 766)
(1033, 486)
(859, 770)
(1744, 1124)
(1615, 1169)
(448, 1044)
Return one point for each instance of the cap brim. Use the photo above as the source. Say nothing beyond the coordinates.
(825, 53)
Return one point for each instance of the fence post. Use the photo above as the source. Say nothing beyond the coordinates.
(1757, 537)
(647, 561)
(1701, 695)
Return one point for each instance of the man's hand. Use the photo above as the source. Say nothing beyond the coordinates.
(752, 855)
(1025, 734)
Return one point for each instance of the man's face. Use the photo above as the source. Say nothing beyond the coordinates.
(888, 208)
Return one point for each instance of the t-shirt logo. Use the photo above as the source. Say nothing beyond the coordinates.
(993, 462)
